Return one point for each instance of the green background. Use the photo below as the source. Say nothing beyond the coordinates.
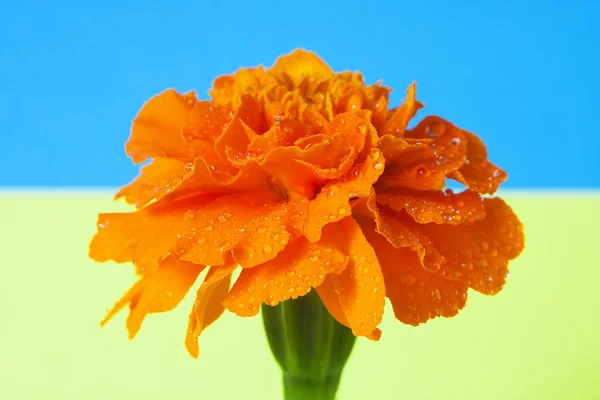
(537, 339)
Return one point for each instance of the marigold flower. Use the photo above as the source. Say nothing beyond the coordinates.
(304, 178)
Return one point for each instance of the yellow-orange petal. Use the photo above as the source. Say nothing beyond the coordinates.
(246, 123)
(436, 206)
(159, 291)
(360, 289)
(397, 123)
(394, 227)
(156, 179)
(157, 129)
(416, 294)
(333, 203)
(478, 254)
(420, 164)
(477, 173)
(299, 267)
(208, 306)
(481, 176)
(205, 122)
(250, 226)
(227, 90)
(331, 300)
(291, 69)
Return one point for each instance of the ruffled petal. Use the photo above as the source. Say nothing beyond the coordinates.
(208, 306)
(205, 122)
(359, 289)
(250, 226)
(159, 291)
(420, 164)
(397, 123)
(333, 202)
(478, 254)
(143, 237)
(291, 69)
(477, 173)
(480, 175)
(301, 266)
(331, 300)
(436, 206)
(246, 123)
(156, 179)
(416, 294)
(157, 129)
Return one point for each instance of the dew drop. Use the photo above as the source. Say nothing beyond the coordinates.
(314, 259)
(268, 249)
(362, 128)
(169, 294)
(208, 228)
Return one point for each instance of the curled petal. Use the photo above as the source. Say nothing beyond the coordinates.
(250, 226)
(481, 176)
(436, 206)
(143, 237)
(291, 69)
(227, 90)
(156, 179)
(420, 164)
(477, 173)
(205, 122)
(159, 291)
(394, 227)
(359, 290)
(208, 306)
(157, 130)
(416, 294)
(397, 123)
(478, 254)
(299, 267)
(245, 124)
(333, 203)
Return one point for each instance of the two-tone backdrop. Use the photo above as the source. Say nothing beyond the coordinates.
(521, 74)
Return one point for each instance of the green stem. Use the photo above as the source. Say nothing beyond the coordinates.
(310, 346)
(305, 388)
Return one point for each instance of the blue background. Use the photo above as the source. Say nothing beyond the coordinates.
(520, 74)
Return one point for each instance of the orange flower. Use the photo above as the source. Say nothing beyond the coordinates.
(303, 178)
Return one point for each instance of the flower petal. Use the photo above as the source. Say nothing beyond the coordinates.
(159, 291)
(359, 288)
(250, 226)
(205, 122)
(143, 237)
(397, 123)
(157, 129)
(299, 267)
(481, 176)
(478, 254)
(333, 203)
(436, 206)
(291, 69)
(331, 300)
(416, 294)
(420, 164)
(207, 307)
(245, 124)
(477, 173)
(155, 180)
